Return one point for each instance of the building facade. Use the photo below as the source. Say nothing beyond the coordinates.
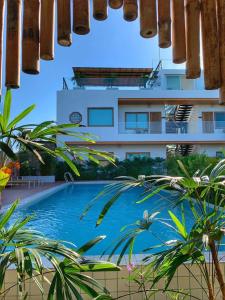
(143, 112)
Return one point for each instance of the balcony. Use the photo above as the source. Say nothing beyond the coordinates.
(172, 127)
(154, 127)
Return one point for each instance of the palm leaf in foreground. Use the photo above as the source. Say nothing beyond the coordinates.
(33, 256)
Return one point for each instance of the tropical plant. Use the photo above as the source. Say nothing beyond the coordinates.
(39, 138)
(204, 194)
(35, 257)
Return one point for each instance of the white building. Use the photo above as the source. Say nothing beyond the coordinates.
(140, 112)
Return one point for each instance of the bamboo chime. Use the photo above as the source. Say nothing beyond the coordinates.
(177, 23)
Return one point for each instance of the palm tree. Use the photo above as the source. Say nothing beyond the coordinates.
(37, 138)
(205, 195)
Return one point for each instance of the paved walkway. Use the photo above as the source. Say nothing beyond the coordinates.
(9, 195)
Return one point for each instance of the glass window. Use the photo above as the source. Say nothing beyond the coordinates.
(219, 120)
(173, 82)
(100, 117)
(136, 120)
(140, 155)
(220, 154)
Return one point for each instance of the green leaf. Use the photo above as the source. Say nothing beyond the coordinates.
(6, 109)
(179, 225)
(90, 244)
(8, 151)
(21, 116)
(5, 218)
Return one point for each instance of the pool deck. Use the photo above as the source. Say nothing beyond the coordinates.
(9, 195)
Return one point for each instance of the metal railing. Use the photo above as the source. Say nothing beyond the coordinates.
(68, 177)
(171, 127)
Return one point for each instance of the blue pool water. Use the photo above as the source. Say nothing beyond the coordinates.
(58, 216)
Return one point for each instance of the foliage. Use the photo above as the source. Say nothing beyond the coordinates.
(89, 170)
(192, 163)
(38, 139)
(35, 257)
(190, 245)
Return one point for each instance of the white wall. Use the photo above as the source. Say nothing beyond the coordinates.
(209, 150)
(121, 150)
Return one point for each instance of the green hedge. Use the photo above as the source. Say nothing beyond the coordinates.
(145, 166)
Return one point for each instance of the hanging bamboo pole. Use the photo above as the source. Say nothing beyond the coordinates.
(47, 29)
(178, 32)
(148, 19)
(192, 11)
(221, 24)
(210, 44)
(64, 23)
(130, 10)
(164, 23)
(100, 9)
(81, 17)
(12, 79)
(31, 37)
(115, 4)
(2, 9)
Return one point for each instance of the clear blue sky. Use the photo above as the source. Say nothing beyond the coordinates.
(111, 43)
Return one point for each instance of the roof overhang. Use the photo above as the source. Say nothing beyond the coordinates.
(172, 101)
(111, 76)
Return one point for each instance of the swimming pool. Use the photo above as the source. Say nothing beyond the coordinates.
(58, 216)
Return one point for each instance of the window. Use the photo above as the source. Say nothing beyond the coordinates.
(220, 154)
(100, 117)
(136, 120)
(173, 82)
(134, 155)
(219, 118)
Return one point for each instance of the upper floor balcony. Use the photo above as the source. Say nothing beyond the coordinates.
(172, 127)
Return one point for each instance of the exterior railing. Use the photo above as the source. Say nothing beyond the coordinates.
(213, 126)
(172, 127)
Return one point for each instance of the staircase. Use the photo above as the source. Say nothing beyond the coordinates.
(182, 114)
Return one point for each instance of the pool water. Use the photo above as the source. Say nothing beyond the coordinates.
(58, 217)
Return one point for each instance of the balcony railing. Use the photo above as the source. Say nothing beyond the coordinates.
(171, 127)
(213, 126)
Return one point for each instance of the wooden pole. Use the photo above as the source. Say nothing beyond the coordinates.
(100, 9)
(2, 7)
(164, 23)
(148, 19)
(192, 12)
(178, 32)
(81, 17)
(115, 4)
(31, 37)
(64, 23)
(210, 45)
(47, 29)
(12, 79)
(221, 24)
(130, 10)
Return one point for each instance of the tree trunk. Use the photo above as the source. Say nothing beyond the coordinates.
(219, 274)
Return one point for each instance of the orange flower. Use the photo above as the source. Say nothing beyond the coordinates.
(6, 170)
(12, 165)
(17, 165)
